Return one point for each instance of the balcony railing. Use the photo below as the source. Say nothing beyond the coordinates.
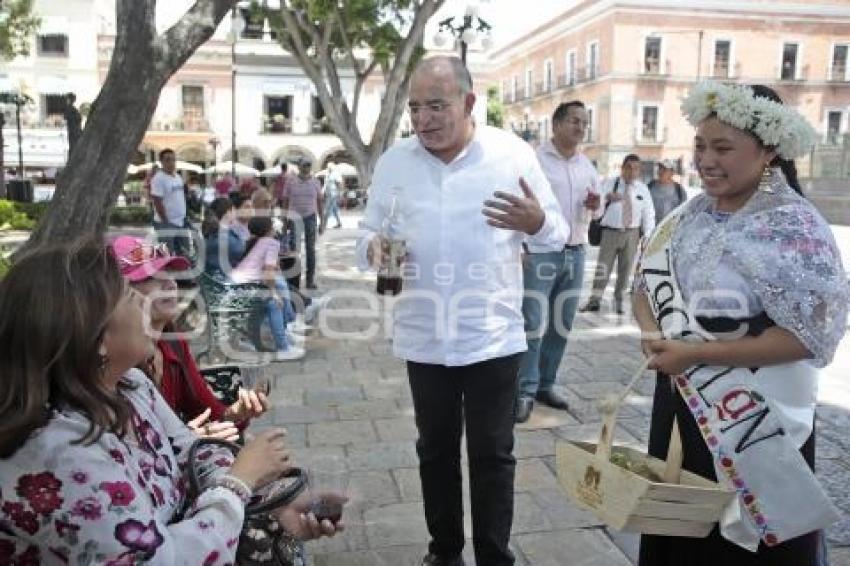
(185, 124)
(839, 73)
(277, 124)
(320, 126)
(650, 136)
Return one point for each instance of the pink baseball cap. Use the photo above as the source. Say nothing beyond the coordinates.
(140, 260)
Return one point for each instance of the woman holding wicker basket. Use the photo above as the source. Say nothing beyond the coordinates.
(741, 296)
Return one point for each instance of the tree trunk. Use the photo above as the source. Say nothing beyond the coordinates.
(142, 62)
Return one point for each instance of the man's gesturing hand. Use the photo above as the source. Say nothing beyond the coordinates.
(515, 213)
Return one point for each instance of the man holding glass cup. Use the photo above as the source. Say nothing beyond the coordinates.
(470, 196)
(553, 280)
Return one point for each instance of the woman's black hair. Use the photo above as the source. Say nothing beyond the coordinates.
(219, 207)
(787, 166)
(258, 226)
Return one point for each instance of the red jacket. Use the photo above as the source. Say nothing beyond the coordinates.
(186, 391)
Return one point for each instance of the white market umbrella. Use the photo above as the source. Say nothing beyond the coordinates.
(179, 165)
(227, 167)
(132, 169)
(344, 169)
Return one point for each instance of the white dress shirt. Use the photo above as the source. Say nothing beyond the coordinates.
(462, 297)
(570, 178)
(643, 211)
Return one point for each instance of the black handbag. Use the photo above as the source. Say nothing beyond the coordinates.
(262, 542)
(594, 229)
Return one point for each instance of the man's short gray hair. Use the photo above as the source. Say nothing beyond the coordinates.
(461, 73)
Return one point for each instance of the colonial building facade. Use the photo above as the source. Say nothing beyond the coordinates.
(631, 62)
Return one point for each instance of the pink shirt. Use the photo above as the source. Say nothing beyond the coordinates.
(570, 180)
(302, 194)
(264, 254)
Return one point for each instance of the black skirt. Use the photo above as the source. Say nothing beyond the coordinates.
(712, 550)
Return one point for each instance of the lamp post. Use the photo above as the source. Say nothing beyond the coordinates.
(19, 99)
(214, 143)
(237, 26)
(465, 32)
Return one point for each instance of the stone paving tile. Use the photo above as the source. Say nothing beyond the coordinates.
(409, 485)
(397, 429)
(410, 555)
(528, 517)
(573, 547)
(382, 455)
(839, 556)
(334, 396)
(384, 408)
(340, 433)
(533, 474)
(532, 443)
(373, 487)
(300, 414)
(395, 524)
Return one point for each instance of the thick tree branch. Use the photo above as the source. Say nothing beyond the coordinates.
(195, 27)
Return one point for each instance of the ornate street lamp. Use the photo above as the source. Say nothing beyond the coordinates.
(237, 26)
(466, 32)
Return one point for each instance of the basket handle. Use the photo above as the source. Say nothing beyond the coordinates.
(673, 470)
(610, 409)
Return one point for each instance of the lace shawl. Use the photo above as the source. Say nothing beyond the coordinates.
(784, 249)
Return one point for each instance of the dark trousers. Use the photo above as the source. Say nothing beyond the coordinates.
(482, 397)
(309, 229)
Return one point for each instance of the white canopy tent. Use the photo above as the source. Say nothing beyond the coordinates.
(227, 166)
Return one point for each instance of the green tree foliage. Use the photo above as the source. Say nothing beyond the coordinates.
(332, 39)
(495, 109)
(17, 24)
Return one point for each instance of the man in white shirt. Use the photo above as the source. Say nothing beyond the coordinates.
(553, 280)
(467, 197)
(629, 215)
(169, 205)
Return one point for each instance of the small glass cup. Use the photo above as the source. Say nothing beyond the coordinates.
(327, 488)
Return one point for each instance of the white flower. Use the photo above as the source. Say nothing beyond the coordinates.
(775, 124)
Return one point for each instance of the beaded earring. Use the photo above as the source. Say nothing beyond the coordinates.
(766, 182)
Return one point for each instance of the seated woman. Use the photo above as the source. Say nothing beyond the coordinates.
(91, 456)
(224, 245)
(260, 264)
(172, 367)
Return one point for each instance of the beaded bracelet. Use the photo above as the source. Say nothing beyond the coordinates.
(236, 485)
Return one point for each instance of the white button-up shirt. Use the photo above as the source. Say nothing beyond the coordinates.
(571, 179)
(462, 297)
(643, 211)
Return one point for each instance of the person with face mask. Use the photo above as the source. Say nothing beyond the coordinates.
(629, 216)
(741, 296)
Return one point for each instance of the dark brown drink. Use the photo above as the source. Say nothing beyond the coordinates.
(389, 285)
(327, 509)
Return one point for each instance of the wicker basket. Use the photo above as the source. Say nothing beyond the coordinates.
(680, 503)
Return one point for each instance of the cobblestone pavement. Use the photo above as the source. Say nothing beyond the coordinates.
(349, 398)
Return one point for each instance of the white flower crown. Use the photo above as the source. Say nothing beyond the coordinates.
(775, 124)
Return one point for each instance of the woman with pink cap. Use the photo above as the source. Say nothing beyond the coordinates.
(172, 367)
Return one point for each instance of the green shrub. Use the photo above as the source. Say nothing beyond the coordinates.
(13, 218)
(130, 215)
(25, 215)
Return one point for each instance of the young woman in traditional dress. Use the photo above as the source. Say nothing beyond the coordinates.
(741, 296)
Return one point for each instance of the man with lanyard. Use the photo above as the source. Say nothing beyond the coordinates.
(469, 196)
(169, 205)
(629, 215)
(302, 199)
(554, 279)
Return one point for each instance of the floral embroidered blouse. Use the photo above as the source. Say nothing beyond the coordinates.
(116, 501)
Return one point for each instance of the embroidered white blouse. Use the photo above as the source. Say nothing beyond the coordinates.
(115, 501)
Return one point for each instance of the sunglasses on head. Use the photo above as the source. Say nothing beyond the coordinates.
(143, 253)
